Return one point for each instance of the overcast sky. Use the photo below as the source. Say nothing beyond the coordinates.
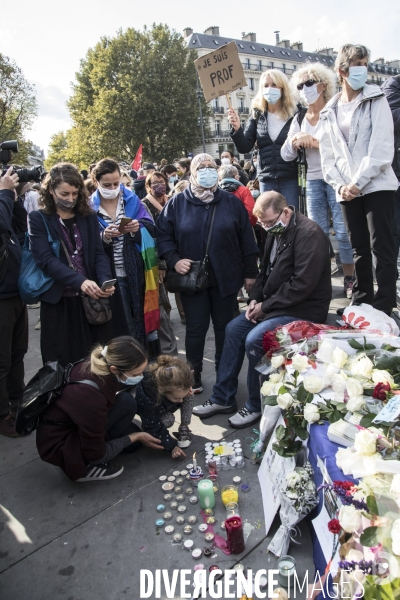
(48, 38)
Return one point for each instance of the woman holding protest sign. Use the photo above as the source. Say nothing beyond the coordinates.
(272, 114)
(183, 229)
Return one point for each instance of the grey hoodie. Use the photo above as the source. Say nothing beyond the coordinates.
(366, 160)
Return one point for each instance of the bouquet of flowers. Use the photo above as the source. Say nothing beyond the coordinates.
(298, 498)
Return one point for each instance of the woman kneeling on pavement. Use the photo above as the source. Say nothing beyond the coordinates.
(91, 423)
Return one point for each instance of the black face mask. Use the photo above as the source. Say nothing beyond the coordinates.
(67, 206)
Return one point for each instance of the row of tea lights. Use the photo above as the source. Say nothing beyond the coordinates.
(228, 455)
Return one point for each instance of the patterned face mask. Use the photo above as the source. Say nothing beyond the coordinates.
(276, 229)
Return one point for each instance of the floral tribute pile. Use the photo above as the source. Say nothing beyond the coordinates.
(346, 376)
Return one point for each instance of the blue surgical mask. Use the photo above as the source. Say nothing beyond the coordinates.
(357, 77)
(272, 95)
(173, 179)
(131, 380)
(255, 193)
(207, 177)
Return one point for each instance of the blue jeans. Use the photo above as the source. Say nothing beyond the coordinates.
(320, 198)
(289, 188)
(242, 336)
(124, 289)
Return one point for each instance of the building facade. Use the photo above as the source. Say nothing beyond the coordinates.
(256, 58)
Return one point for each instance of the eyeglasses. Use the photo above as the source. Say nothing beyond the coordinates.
(269, 224)
(203, 169)
(307, 83)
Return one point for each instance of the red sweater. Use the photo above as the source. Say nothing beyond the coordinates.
(84, 411)
(245, 197)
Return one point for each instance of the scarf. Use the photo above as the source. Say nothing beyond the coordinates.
(229, 184)
(203, 194)
(140, 265)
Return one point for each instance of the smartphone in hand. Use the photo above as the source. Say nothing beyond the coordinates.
(108, 284)
(124, 221)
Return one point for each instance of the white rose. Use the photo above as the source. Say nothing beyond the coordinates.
(362, 366)
(339, 357)
(365, 442)
(312, 384)
(276, 377)
(299, 362)
(342, 456)
(292, 478)
(325, 351)
(284, 401)
(355, 404)
(354, 555)
(330, 371)
(349, 519)
(267, 388)
(339, 384)
(382, 377)
(354, 388)
(396, 537)
(395, 485)
(277, 361)
(311, 413)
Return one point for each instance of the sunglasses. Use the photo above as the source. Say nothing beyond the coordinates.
(307, 83)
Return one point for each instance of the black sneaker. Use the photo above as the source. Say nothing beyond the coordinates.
(197, 387)
(102, 471)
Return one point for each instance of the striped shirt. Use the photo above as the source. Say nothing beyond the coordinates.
(118, 242)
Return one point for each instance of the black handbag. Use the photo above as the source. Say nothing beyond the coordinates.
(97, 310)
(197, 279)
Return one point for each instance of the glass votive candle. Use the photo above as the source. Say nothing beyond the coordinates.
(234, 534)
(286, 567)
(217, 490)
(229, 493)
(232, 509)
(212, 468)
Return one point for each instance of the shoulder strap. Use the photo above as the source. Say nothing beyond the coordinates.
(210, 230)
(87, 382)
(47, 229)
(71, 266)
(300, 115)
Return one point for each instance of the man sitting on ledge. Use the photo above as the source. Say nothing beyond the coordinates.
(294, 283)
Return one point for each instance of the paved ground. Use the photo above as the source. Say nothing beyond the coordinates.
(70, 541)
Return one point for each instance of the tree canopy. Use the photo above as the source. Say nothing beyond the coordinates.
(57, 150)
(18, 106)
(137, 87)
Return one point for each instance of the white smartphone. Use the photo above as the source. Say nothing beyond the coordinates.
(108, 284)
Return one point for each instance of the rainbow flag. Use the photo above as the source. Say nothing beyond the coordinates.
(151, 304)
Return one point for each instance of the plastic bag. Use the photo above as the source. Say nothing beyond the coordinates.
(367, 317)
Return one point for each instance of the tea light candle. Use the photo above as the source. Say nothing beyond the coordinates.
(167, 516)
(167, 487)
(171, 478)
(169, 529)
(234, 532)
(210, 520)
(178, 490)
(280, 594)
(203, 527)
(197, 552)
(209, 537)
(209, 512)
(213, 568)
(168, 497)
(174, 505)
(189, 491)
(180, 481)
(161, 508)
(189, 467)
(160, 523)
(180, 520)
(198, 567)
(176, 473)
(236, 480)
(206, 493)
(208, 552)
(162, 478)
(184, 473)
(177, 537)
(229, 493)
(245, 488)
(180, 498)
(188, 544)
(182, 508)
(188, 529)
(192, 520)
(193, 499)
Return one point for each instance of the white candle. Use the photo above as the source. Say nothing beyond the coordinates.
(194, 462)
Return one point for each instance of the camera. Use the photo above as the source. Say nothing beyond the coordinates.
(25, 175)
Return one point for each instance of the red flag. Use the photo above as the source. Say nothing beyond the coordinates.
(137, 161)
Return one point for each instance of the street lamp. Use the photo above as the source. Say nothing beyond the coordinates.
(199, 95)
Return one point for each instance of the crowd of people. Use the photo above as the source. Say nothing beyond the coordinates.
(124, 237)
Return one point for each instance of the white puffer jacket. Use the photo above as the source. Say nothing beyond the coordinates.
(366, 161)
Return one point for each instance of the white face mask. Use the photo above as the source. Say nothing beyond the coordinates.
(310, 94)
(108, 194)
(225, 161)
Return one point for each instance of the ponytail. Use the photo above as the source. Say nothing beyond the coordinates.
(122, 352)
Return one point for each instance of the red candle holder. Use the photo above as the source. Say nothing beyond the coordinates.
(234, 532)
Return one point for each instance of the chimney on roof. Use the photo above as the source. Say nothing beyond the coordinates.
(326, 51)
(187, 32)
(277, 37)
(284, 44)
(212, 31)
(249, 37)
(297, 46)
(379, 61)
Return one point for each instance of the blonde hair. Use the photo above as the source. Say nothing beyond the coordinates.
(267, 200)
(288, 104)
(181, 186)
(169, 373)
(122, 352)
(347, 54)
(125, 173)
(319, 73)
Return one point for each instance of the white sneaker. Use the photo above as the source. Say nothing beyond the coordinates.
(244, 418)
(208, 409)
(334, 267)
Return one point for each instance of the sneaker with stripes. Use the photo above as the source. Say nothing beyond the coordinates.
(102, 471)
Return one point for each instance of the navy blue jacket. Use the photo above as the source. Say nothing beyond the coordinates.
(182, 230)
(270, 164)
(9, 285)
(97, 264)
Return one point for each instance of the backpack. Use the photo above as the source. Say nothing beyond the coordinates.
(41, 391)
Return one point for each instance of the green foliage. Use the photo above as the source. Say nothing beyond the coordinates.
(270, 401)
(58, 151)
(369, 537)
(137, 87)
(18, 106)
(360, 347)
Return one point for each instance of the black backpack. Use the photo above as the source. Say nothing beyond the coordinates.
(42, 390)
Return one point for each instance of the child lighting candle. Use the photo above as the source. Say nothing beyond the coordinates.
(206, 493)
(234, 532)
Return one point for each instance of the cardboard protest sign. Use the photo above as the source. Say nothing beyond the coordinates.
(220, 71)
